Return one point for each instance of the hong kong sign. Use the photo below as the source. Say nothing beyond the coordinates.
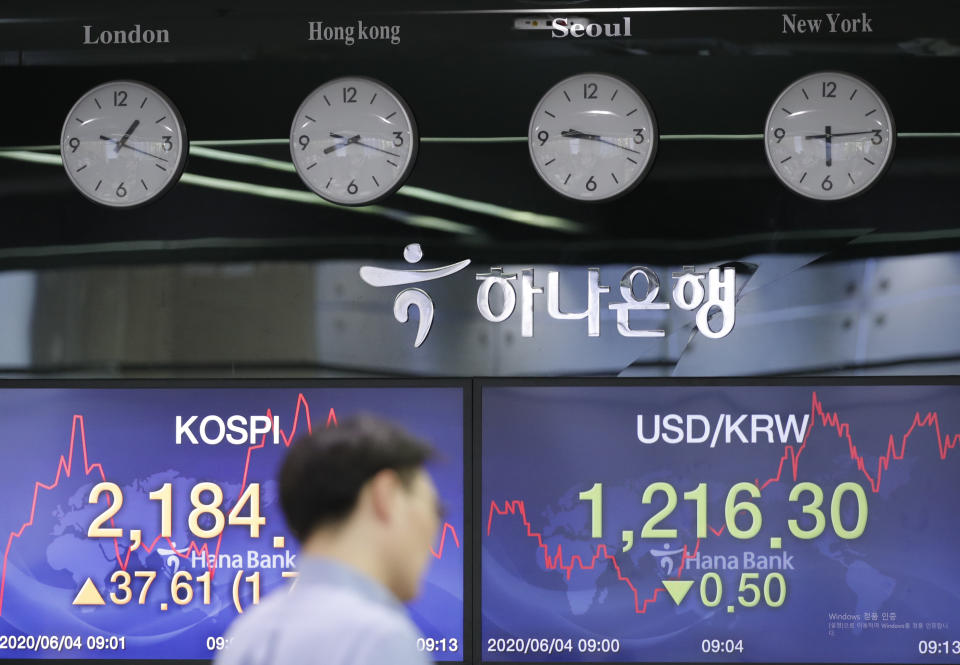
(711, 293)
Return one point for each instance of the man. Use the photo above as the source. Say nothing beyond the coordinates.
(365, 511)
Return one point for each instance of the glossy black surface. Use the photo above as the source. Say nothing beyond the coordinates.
(241, 72)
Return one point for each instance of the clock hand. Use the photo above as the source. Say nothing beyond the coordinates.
(123, 139)
(345, 142)
(823, 136)
(829, 145)
(367, 145)
(354, 139)
(130, 147)
(575, 134)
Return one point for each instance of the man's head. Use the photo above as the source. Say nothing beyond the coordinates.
(360, 489)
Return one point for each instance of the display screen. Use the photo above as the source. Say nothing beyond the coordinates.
(720, 523)
(133, 530)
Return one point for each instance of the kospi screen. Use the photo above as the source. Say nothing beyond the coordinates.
(138, 522)
(682, 523)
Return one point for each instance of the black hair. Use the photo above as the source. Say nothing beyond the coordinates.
(323, 472)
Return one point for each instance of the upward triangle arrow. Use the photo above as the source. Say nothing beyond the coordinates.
(88, 594)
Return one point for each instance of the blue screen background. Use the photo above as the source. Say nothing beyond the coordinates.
(542, 446)
(129, 433)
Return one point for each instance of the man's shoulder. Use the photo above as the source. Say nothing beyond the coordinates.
(321, 611)
(347, 627)
(347, 607)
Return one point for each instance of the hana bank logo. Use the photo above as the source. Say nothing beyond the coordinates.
(666, 558)
(712, 294)
(411, 297)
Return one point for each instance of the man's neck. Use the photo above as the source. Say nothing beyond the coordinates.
(349, 546)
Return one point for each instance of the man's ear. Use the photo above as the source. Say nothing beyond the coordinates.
(383, 488)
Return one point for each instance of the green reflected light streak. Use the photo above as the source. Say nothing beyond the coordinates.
(240, 158)
(493, 210)
(226, 143)
(33, 157)
(539, 220)
(523, 139)
(281, 193)
(299, 196)
(863, 235)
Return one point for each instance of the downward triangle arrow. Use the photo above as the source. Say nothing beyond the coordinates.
(678, 589)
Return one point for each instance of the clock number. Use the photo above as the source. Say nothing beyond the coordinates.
(542, 136)
(74, 143)
(352, 97)
(639, 137)
(398, 139)
(829, 89)
(119, 98)
(827, 184)
(779, 133)
(304, 141)
(589, 90)
(877, 139)
(591, 184)
(167, 144)
(352, 188)
(121, 190)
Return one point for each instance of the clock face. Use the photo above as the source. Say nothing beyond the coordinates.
(592, 137)
(123, 144)
(353, 141)
(829, 136)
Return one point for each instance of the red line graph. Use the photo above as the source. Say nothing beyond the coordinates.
(65, 467)
(576, 562)
(817, 414)
(438, 553)
(832, 419)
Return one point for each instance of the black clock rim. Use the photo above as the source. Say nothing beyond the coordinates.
(890, 153)
(654, 138)
(414, 147)
(181, 162)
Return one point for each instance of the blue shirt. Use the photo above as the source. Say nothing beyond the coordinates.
(334, 615)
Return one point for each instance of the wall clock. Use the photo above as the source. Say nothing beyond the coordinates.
(354, 141)
(829, 136)
(592, 137)
(123, 144)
